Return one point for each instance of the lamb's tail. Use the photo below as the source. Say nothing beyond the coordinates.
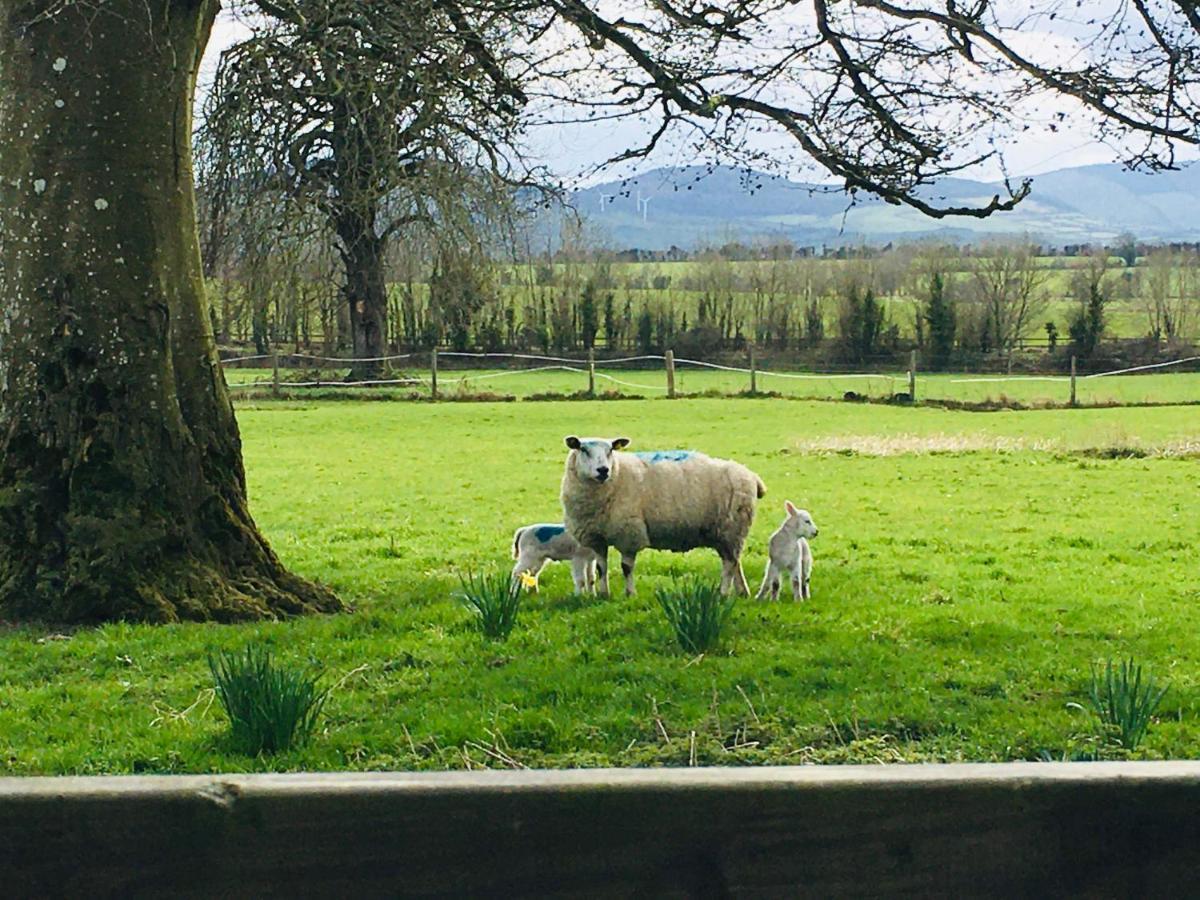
(762, 488)
(517, 542)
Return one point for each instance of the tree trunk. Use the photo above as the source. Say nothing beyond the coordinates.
(122, 492)
(366, 295)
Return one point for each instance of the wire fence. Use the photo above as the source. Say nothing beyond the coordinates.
(461, 375)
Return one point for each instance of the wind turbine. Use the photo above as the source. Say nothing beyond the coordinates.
(643, 205)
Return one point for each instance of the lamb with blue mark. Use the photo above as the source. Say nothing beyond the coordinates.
(535, 545)
(665, 500)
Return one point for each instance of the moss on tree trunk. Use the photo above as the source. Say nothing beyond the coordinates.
(122, 492)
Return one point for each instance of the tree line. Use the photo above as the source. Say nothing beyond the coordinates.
(959, 308)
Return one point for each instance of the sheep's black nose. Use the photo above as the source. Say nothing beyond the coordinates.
(601, 473)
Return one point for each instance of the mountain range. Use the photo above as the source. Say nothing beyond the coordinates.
(692, 206)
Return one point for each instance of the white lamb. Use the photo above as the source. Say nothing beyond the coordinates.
(790, 553)
(535, 545)
(665, 500)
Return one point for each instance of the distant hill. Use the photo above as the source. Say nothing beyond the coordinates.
(688, 207)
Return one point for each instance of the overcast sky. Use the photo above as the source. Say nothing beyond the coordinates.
(570, 151)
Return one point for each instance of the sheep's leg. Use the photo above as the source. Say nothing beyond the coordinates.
(589, 575)
(732, 577)
(628, 560)
(797, 582)
(804, 584)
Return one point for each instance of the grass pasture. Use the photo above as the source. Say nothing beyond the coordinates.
(1170, 386)
(970, 570)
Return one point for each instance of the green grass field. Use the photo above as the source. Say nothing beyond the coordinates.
(1175, 386)
(971, 568)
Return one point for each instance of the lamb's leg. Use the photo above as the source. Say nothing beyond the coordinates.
(726, 576)
(579, 566)
(602, 570)
(797, 582)
(589, 575)
(528, 564)
(740, 585)
(766, 582)
(628, 560)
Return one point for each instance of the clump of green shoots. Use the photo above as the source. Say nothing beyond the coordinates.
(494, 599)
(271, 708)
(696, 611)
(1124, 701)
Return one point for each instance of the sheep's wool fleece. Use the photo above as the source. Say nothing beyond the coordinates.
(663, 502)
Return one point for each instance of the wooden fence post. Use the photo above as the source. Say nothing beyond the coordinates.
(753, 371)
(670, 361)
(912, 377)
(433, 393)
(591, 371)
(1072, 380)
(275, 373)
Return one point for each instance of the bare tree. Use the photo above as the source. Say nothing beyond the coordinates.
(380, 116)
(1167, 290)
(890, 96)
(1007, 284)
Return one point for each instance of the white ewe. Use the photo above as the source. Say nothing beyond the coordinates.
(666, 500)
(535, 545)
(790, 553)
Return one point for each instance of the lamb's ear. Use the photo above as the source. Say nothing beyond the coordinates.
(790, 507)
(571, 441)
(620, 443)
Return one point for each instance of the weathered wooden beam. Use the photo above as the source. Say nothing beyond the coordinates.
(1104, 829)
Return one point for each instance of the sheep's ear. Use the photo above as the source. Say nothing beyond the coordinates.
(571, 441)
(620, 443)
(790, 507)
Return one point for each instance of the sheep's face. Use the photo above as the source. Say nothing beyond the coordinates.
(799, 521)
(592, 458)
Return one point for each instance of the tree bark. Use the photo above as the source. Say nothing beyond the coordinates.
(366, 294)
(122, 492)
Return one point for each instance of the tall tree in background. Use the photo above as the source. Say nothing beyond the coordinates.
(1088, 321)
(940, 316)
(381, 116)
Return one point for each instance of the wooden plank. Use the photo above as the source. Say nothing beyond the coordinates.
(1100, 829)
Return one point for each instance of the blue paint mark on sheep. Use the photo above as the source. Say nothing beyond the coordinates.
(657, 456)
(548, 532)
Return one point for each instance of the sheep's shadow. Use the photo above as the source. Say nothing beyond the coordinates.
(575, 601)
